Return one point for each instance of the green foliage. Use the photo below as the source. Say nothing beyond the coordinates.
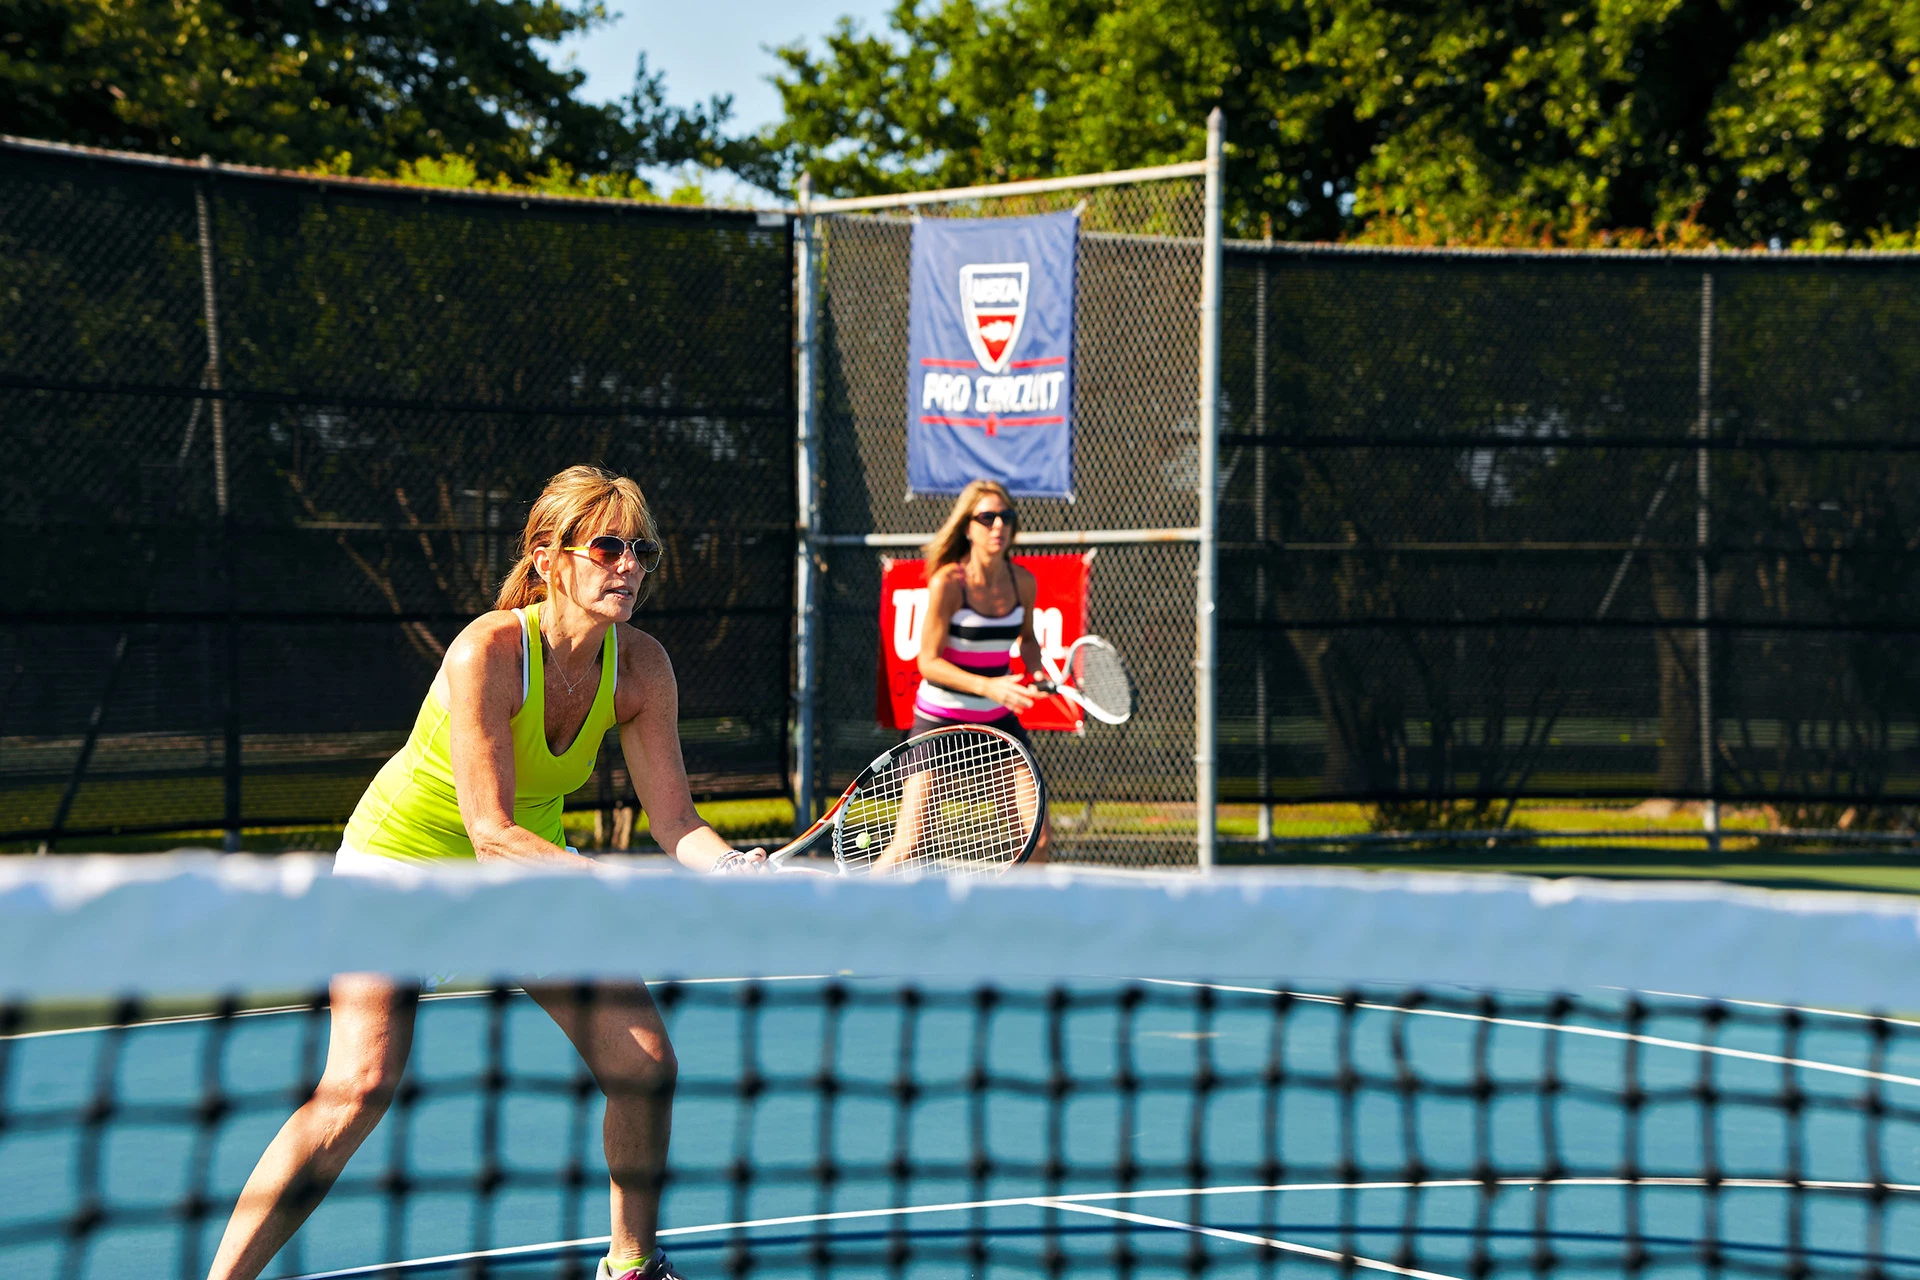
(1586, 122)
(689, 187)
(459, 173)
(315, 82)
(1821, 121)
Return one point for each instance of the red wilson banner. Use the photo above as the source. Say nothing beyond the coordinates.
(1059, 618)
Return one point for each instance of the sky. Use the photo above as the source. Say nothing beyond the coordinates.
(708, 47)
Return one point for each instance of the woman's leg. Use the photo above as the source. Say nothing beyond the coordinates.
(372, 1030)
(623, 1041)
(1026, 799)
(1015, 806)
(1043, 844)
(907, 823)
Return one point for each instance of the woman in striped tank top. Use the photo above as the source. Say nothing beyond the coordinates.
(979, 605)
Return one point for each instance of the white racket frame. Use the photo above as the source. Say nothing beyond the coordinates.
(1058, 680)
(831, 820)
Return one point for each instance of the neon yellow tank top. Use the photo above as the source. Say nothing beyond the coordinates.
(410, 811)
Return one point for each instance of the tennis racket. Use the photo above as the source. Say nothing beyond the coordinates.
(1093, 678)
(964, 800)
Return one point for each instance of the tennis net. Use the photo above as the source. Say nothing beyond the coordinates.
(1416, 1098)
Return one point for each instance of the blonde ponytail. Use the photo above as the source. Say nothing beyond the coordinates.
(580, 501)
(522, 586)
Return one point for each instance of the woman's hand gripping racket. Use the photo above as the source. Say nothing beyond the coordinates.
(965, 800)
(1093, 678)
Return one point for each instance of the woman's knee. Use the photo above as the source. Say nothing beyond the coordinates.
(371, 1036)
(642, 1067)
(357, 1096)
(646, 1069)
(667, 1067)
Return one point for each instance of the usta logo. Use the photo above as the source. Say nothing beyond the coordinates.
(993, 303)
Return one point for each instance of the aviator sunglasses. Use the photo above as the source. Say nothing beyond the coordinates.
(606, 551)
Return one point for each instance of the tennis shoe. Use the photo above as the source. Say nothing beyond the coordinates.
(657, 1268)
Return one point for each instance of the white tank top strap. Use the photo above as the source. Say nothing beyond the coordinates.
(526, 672)
(526, 668)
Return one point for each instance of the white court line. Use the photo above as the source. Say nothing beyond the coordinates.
(183, 1018)
(1597, 1033)
(448, 1259)
(1167, 982)
(1241, 1237)
(1086, 1198)
(153, 1022)
(1791, 1008)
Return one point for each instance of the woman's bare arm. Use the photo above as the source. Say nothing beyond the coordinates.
(483, 693)
(1029, 591)
(649, 711)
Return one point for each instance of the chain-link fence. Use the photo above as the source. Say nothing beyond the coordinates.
(1125, 795)
(270, 442)
(1498, 526)
(1494, 526)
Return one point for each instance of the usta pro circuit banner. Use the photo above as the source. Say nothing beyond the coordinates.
(990, 354)
(1059, 618)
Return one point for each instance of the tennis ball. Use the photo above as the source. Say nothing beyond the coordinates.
(862, 840)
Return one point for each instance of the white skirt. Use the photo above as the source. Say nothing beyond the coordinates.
(349, 861)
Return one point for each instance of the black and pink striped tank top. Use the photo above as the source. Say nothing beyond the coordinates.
(978, 643)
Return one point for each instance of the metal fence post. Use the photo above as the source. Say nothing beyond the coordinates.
(1262, 696)
(806, 469)
(230, 694)
(1702, 577)
(1146, 224)
(1206, 765)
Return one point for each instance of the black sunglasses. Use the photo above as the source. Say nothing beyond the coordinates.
(606, 551)
(991, 518)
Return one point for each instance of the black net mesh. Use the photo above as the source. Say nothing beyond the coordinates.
(226, 608)
(1473, 548)
(885, 1128)
(1472, 544)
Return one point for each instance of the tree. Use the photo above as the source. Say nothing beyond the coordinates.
(298, 83)
(1502, 121)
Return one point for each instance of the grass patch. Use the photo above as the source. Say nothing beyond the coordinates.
(735, 820)
(1614, 841)
(762, 819)
(1607, 840)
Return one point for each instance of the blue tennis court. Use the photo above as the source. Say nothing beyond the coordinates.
(871, 1128)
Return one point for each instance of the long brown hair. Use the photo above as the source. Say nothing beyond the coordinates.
(949, 545)
(579, 501)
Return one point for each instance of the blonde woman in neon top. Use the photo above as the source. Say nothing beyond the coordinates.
(510, 728)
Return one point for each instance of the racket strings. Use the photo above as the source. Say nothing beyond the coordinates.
(1101, 678)
(961, 804)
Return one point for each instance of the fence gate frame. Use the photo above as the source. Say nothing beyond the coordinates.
(810, 542)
